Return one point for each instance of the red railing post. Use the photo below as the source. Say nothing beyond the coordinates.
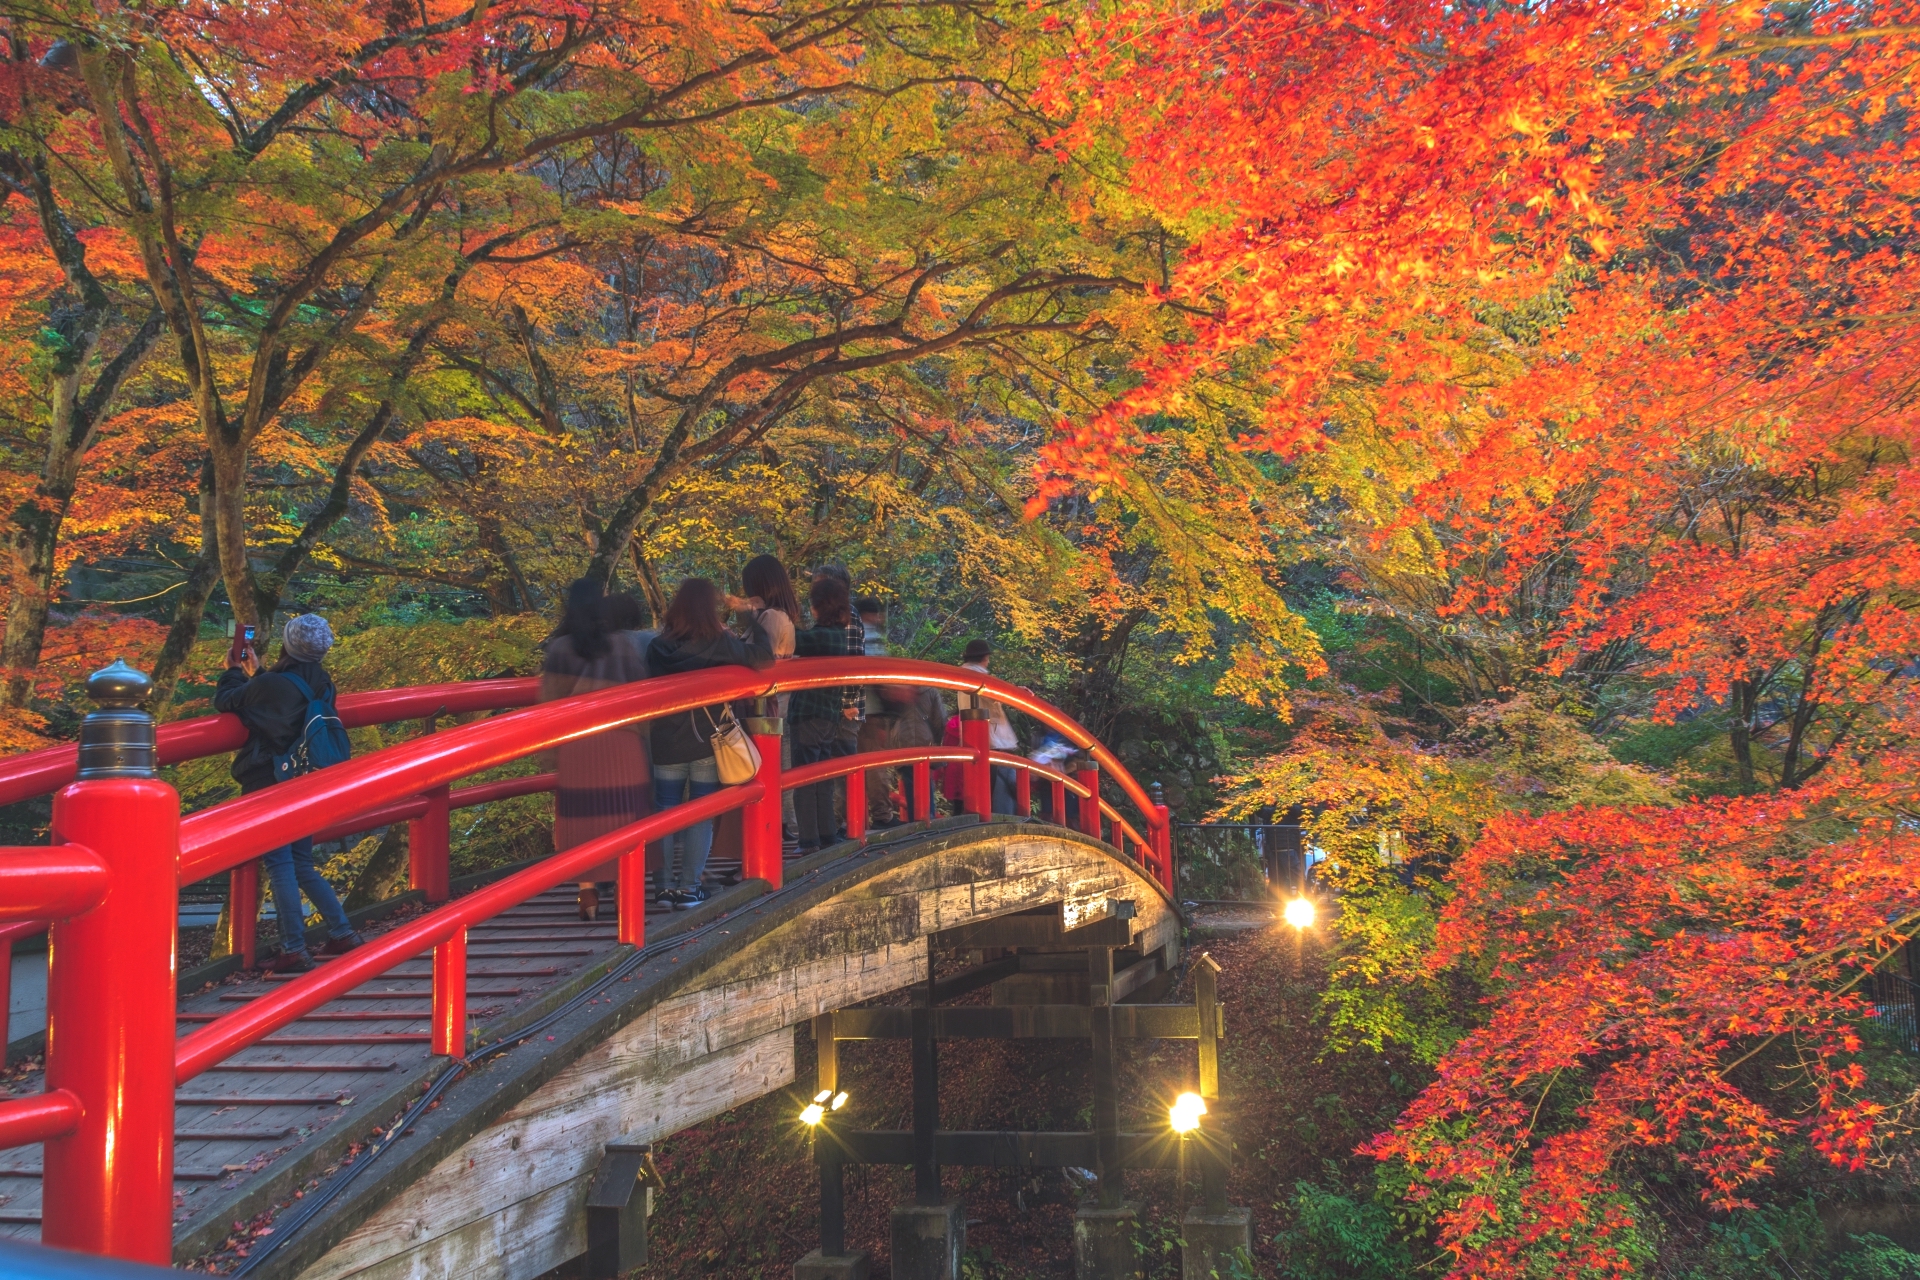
(1160, 832)
(976, 734)
(857, 805)
(1023, 793)
(450, 995)
(630, 896)
(921, 791)
(429, 837)
(108, 1185)
(1057, 804)
(243, 912)
(1089, 777)
(760, 853)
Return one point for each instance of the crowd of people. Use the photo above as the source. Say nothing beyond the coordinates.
(614, 778)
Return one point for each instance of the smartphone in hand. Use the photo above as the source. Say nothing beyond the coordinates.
(241, 646)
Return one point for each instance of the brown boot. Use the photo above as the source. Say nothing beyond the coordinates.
(590, 903)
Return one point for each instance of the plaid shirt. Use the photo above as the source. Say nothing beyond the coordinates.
(819, 704)
(854, 695)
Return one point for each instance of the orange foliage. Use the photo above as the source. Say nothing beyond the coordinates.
(1602, 312)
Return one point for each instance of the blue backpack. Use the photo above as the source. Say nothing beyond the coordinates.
(322, 739)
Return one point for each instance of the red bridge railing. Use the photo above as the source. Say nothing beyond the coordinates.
(109, 886)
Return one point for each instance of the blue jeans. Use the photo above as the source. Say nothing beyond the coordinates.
(671, 784)
(1005, 784)
(290, 873)
(814, 741)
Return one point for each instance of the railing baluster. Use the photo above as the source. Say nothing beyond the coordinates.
(761, 856)
(857, 805)
(1023, 793)
(1089, 777)
(243, 912)
(921, 797)
(976, 734)
(630, 897)
(450, 995)
(428, 839)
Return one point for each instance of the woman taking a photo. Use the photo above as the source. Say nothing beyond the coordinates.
(692, 639)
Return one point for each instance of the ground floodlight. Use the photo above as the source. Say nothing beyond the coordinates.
(1185, 1112)
(1299, 913)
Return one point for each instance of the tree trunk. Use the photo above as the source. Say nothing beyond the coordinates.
(229, 470)
(191, 606)
(1746, 699)
(32, 537)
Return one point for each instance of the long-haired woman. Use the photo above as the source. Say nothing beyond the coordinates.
(692, 638)
(602, 781)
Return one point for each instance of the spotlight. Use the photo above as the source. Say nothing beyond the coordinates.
(1186, 1111)
(839, 1100)
(1299, 913)
(815, 1111)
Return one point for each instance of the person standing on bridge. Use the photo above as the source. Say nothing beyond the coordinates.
(693, 638)
(601, 781)
(275, 706)
(887, 707)
(773, 612)
(999, 728)
(821, 715)
(853, 697)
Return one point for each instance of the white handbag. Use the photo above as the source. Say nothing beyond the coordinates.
(735, 756)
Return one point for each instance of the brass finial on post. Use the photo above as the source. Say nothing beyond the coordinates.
(117, 739)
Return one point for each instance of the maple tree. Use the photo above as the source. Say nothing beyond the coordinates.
(1589, 327)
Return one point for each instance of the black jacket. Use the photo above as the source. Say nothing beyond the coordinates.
(682, 739)
(274, 713)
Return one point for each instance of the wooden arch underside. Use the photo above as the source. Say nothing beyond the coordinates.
(708, 1027)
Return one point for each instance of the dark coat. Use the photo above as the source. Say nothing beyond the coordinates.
(683, 739)
(274, 712)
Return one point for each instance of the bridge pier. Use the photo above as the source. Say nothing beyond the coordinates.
(820, 1266)
(1211, 1239)
(927, 1240)
(1103, 1242)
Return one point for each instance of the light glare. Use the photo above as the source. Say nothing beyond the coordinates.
(1299, 913)
(811, 1114)
(1186, 1111)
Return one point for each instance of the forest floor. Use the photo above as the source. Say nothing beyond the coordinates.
(741, 1193)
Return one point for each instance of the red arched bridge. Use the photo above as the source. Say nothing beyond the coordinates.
(442, 1100)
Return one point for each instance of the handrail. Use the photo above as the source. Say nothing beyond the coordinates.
(43, 772)
(234, 1031)
(225, 835)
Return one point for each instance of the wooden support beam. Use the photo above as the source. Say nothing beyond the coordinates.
(1114, 928)
(973, 979)
(1022, 1022)
(619, 1201)
(1008, 1149)
(1106, 1079)
(926, 1095)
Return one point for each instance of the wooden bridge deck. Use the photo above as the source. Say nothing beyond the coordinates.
(341, 1071)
